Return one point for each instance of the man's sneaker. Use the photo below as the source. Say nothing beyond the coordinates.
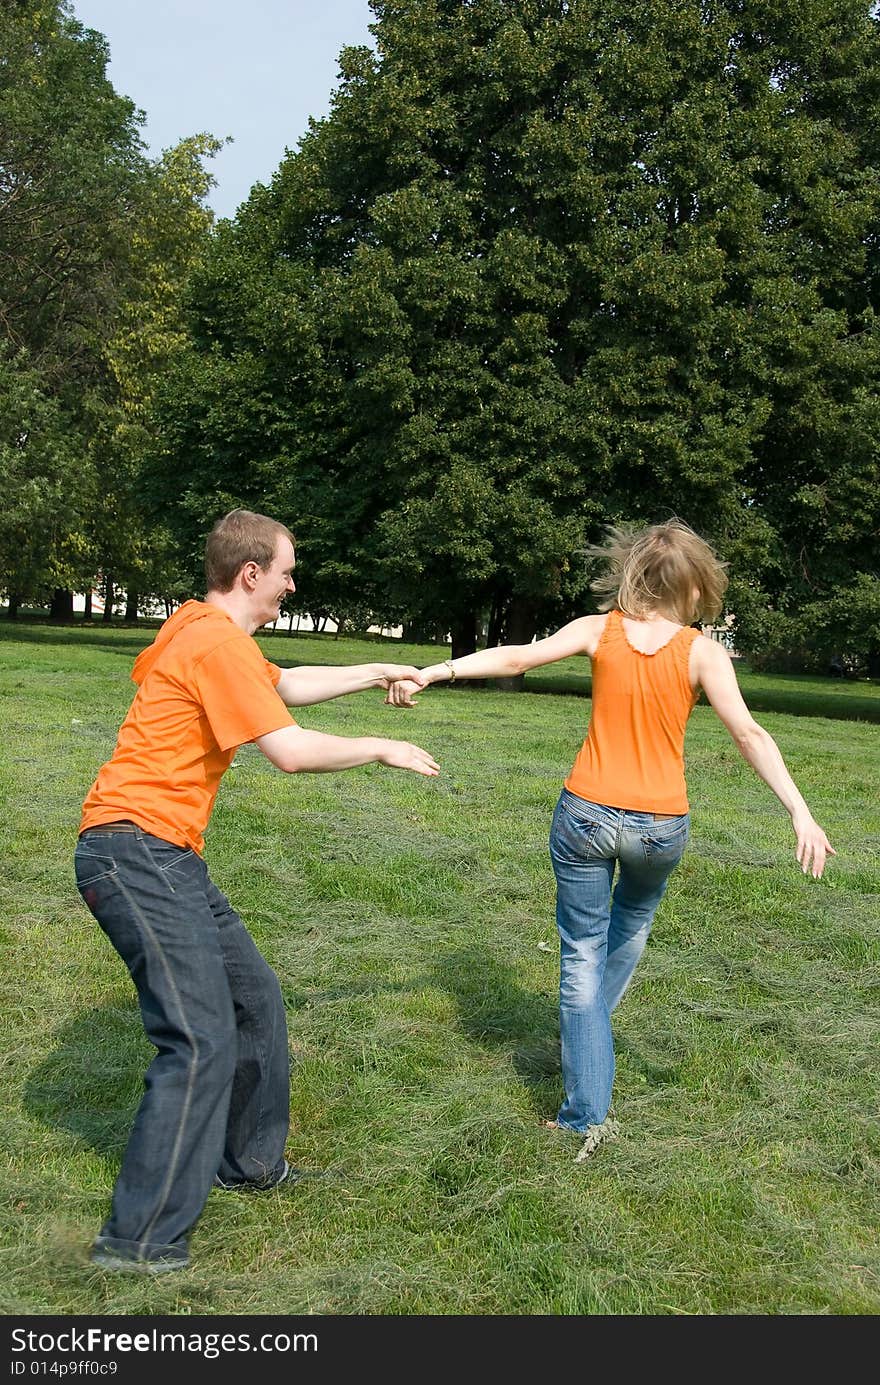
(110, 1260)
(594, 1136)
(288, 1176)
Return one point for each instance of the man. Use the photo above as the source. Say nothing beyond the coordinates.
(215, 1109)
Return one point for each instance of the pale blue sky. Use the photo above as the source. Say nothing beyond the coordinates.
(256, 71)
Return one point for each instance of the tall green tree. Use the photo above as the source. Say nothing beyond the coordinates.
(95, 243)
(550, 263)
(168, 240)
(43, 541)
(71, 161)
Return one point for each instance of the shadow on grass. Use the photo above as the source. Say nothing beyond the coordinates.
(92, 1081)
(655, 1074)
(797, 702)
(788, 698)
(91, 1084)
(790, 694)
(494, 1009)
(126, 640)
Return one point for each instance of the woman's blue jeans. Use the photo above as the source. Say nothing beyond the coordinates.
(217, 1093)
(602, 932)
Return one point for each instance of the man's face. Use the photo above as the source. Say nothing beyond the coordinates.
(274, 582)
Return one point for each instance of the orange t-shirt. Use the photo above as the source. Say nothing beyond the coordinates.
(633, 755)
(204, 689)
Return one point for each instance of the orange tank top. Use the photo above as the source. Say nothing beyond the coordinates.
(633, 755)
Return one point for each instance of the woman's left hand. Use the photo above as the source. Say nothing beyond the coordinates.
(813, 847)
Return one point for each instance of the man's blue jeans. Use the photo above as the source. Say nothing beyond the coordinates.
(602, 932)
(216, 1098)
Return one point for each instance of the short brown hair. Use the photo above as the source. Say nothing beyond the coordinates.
(238, 538)
(657, 569)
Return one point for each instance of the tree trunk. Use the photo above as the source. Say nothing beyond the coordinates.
(422, 632)
(495, 633)
(521, 623)
(874, 661)
(464, 635)
(108, 601)
(61, 606)
(131, 606)
(87, 605)
(14, 603)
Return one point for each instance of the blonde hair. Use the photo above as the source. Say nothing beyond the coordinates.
(238, 538)
(656, 570)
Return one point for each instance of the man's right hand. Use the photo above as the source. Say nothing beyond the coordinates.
(402, 755)
(401, 693)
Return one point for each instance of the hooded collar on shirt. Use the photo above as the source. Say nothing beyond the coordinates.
(185, 615)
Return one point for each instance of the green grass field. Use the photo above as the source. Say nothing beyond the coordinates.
(411, 924)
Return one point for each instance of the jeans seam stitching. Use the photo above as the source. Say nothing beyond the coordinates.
(172, 1170)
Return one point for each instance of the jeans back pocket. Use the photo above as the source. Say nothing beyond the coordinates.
(91, 866)
(573, 836)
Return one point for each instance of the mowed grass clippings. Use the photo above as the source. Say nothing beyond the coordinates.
(411, 923)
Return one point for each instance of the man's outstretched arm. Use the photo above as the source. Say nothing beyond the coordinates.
(297, 751)
(300, 687)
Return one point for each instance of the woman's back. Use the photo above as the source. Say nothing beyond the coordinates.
(633, 755)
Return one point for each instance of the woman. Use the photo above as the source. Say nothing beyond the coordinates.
(624, 806)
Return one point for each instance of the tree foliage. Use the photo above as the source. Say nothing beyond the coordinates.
(168, 239)
(70, 162)
(41, 535)
(95, 240)
(547, 265)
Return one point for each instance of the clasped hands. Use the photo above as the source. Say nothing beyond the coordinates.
(401, 682)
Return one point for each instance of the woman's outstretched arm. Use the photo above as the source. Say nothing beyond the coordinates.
(712, 669)
(507, 660)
